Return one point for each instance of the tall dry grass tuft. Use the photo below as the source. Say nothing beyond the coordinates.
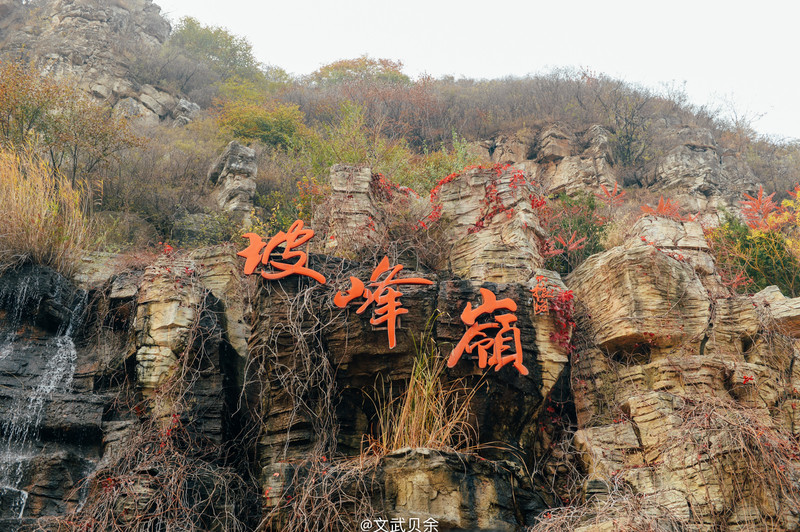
(431, 412)
(40, 215)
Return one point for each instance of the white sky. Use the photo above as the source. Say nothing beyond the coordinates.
(744, 52)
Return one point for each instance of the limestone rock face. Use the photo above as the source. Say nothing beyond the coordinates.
(51, 420)
(703, 178)
(166, 312)
(555, 144)
(508, 150)
(584, 171)
(234, 174)
(304, 345)
(624, 290)
(296, 327)
(671, 374)
(557, 158)
(85, 40)
(219, 271)
(95, 269)
(681, 240)
(693, 170)
(349, 219)
(494, 229)
(459, 492)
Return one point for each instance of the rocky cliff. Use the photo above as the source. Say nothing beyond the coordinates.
(412, 364)
(93, 43)
(645, 394)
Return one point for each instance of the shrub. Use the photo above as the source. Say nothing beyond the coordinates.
(78, 135)
(42, 218)
(751, 260)
(274, 124)
(576, 230)
(25, 100)
(166, 178)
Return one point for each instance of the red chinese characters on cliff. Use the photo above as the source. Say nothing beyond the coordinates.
(541, 295)
(505, 346)
(381, 294)
(294, 238)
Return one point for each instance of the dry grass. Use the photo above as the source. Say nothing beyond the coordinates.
(42, 220)
(431, 412)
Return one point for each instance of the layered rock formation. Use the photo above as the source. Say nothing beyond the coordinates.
(558, 159)
(85, 40)
(695, 168)
(681, 388)
(690, 168)
(491, 229)
(233, 175)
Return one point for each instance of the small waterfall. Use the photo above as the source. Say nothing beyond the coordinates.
(19, 431)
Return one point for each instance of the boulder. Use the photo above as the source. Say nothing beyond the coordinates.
(640, 295)
(459, 492)
(184, 112)
(555, 143)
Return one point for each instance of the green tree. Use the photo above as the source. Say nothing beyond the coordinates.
(762, 257)
(227, 54)
(274, 124)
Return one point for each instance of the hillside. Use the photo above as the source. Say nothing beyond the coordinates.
(233, 300)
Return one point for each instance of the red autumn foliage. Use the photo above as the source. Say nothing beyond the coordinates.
(667, 209)
(611, 198)
(756, 210)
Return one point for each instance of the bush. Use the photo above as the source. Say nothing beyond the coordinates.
(273, 124)
(167, 178)
(751, 260)
(42, 218)
(576, 231)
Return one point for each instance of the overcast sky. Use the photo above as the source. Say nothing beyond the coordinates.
(747, 53)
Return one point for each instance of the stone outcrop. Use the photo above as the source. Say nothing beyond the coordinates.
(683, 393)
(233, 175)
(697, 174)
(167, 309)
(693, 169)
(86, 41)
(556, 158)
(459, 492)
(305, 345)
(51, 420)
(672, 374)
(349, 220)
(494, 229)
(64, 351)
(491, 230)
(562, 171)
(184, 112)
